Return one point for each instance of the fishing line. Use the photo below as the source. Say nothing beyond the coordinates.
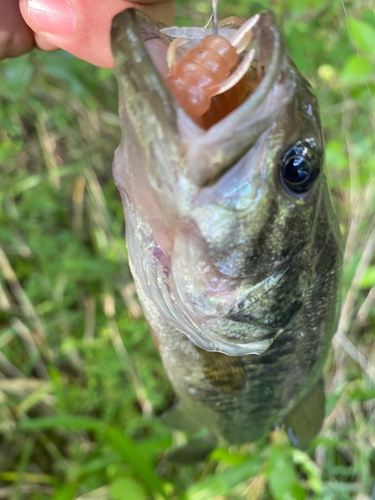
(214, 14)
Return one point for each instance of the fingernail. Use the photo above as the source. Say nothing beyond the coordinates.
(56, 17)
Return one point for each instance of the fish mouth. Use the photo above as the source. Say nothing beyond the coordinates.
(210, 153)
(179, 158)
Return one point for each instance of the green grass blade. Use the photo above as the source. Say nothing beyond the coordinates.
(131, 454)
(67, 492)
(69, 422)
(220, 485)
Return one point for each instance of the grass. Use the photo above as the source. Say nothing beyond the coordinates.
(81, 383)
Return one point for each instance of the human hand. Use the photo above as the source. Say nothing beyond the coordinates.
(81, 27)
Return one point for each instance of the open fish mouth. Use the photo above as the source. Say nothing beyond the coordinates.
(229, 137)
(189, 191)
(217, 71)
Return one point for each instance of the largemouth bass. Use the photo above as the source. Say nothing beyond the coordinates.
(233, 242)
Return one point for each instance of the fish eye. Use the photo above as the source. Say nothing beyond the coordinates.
(300, 166)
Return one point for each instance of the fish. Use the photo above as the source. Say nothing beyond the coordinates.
(232, 239)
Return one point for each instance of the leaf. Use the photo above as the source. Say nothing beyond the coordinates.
(221, 484)
(67, 492)
(335, 156)
(309, 467)
(364, 35)
(128, 451)
(69, 422)
(282, 476)
(63, 66)
(368, 278)
(126, 488)
(357, 70)
(306, 5)
(228, 457)
(18, 73)
(131, 454)
(97, 464)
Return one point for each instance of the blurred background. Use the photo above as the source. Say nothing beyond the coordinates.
(81, 383)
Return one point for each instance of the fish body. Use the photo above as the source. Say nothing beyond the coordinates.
(233, 242)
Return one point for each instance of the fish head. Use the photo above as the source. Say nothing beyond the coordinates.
(225, 225)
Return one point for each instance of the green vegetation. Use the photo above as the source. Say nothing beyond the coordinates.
(81, 382)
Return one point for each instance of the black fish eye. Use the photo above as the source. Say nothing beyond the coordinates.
(300, 166)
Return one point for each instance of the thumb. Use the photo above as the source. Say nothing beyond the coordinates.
(82, 27)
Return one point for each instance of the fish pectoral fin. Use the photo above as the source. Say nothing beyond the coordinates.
(304, 422)
(192, 452)
(176, 419)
